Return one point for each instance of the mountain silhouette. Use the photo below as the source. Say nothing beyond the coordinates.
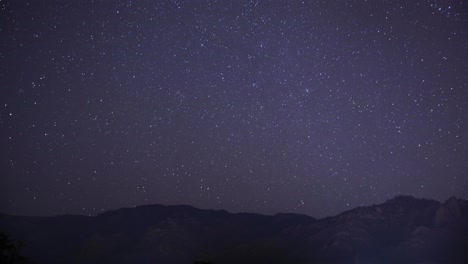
(401, 230)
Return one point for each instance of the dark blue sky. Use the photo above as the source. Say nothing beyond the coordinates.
(312, 107)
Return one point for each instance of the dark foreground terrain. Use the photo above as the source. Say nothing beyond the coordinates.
(401, 230)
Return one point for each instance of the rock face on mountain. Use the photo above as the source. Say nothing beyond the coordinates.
(401, 230)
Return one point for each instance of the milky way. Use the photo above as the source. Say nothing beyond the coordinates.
(311, 107)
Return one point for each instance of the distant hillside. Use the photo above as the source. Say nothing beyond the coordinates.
(401, 230)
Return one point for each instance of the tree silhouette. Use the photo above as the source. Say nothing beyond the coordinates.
(9, 251)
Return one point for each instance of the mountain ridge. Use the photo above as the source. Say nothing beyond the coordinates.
(403, 229)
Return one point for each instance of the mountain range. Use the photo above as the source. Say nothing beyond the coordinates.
(401, 230)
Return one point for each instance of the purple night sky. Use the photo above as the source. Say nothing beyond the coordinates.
(311, 107)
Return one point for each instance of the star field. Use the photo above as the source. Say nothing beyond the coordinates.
(312, 107)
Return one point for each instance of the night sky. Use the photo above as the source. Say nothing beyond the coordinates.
(311, 107)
